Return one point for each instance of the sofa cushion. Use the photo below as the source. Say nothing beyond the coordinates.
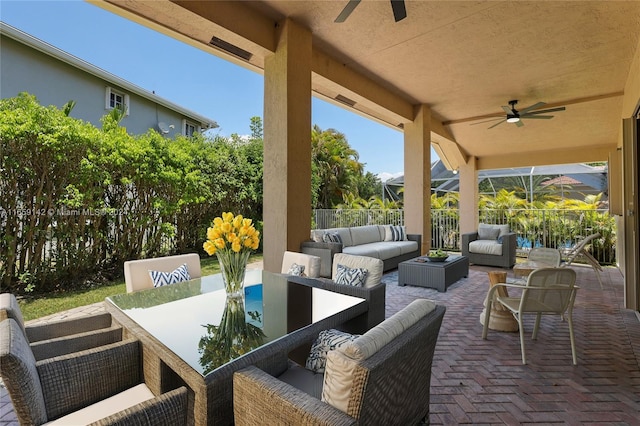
(406, 246)
(386, 250)
(327, 340)
(303, 379)
(485, 247)
(365, 234)
(504, 230)
(488, 232)
(107, 407)
(338, 380)
(368, 250)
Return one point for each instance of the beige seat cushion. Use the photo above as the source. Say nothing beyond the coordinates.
(311, 263)
(372, 265)
(136, 272)
(380, 335)
(106, 407)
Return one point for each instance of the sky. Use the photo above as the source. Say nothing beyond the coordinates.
(188, 76)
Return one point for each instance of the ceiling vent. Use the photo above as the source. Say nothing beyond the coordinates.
(345, 100)
(230, 48)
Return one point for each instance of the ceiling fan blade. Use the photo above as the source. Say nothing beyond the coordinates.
(347, 11)
(543, 111)
(499, 122)
(399, 10)
(519, 123)
(507, 110)
(545, 117)
(532, 107)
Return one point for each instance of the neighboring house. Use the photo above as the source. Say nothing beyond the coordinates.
(570, 181)
(28, 64)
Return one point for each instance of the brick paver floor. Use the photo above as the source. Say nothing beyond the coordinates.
(478, 381)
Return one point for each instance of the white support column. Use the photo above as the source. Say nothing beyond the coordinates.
(468, 200)
(417, 176)
(287, 144)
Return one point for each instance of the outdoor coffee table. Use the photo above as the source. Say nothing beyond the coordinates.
(192, 336)
(439, 275)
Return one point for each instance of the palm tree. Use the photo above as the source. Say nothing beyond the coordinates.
(336, 164)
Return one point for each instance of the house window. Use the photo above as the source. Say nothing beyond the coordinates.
(116, 99)
(189, 128)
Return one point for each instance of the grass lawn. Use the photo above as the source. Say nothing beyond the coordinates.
(33, 308)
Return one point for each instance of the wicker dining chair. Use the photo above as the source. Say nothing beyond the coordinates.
(62, 337)
(100, 386)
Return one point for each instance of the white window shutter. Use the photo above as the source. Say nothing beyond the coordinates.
(126, 105)
(184, 126)
(107, 98)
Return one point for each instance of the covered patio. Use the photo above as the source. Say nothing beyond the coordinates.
(443, 75)
(476, 381)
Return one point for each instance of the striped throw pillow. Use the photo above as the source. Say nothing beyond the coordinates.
(351, 276)
(159, 279)
(332, 237)
(327, 340)
(395, 233)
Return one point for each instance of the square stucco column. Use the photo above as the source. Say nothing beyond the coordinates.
(417, 176)
(468, 200)
(287, 144)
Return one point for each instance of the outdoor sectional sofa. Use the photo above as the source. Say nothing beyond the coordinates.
(370, 240)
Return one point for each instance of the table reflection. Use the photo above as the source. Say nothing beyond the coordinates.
(238, 332)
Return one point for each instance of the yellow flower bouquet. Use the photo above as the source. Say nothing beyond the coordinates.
(232, 239)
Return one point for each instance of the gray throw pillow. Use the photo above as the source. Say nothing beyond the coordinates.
(488, 232)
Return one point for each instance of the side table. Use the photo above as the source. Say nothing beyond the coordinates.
(500, 319)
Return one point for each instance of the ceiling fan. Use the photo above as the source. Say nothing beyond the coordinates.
(516, 117)
(398, 7)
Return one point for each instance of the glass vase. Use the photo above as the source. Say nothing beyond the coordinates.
(233, 267)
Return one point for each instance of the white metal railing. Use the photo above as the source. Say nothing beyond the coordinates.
(534, 227)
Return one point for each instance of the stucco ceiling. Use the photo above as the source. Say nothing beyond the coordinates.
(463, 59)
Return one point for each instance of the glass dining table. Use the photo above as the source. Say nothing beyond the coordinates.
(193, 335)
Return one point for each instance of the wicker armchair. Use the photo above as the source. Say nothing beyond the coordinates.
(65, 336)
(497, 249)
(385, 380)
(102, 385)
(373, 291)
